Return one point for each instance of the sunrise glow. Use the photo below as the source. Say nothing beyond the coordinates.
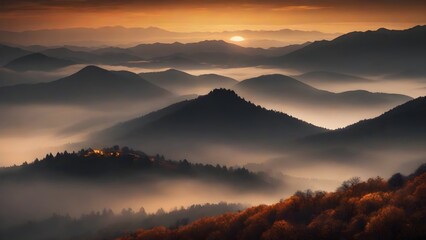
(237, 39)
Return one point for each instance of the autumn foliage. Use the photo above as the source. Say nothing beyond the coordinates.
(374, 209)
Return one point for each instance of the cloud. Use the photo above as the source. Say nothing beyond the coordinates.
(287, 5)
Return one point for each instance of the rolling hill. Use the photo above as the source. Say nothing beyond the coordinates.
(89, 85)
(112, 164)
(286, 90)
(183, 83)
(75, 56)
(37, 62)
(10, 53)
(220, 117)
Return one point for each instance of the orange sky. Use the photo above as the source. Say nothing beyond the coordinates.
(209, 15)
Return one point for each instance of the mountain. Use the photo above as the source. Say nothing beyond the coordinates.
(402, 126)
(10, 53)
(372, 52)
(279, 51)
(374, 209)
(89, 85)
(330, 77)
(218, 118)
(37, 62)
(197, 54)
(208, 52)
(282, 89)
(183, 83)
(91, 57)
(75, 56)
(208, 46)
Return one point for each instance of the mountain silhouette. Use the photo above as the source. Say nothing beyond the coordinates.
(282, 89)
(208, 46)
(330, 77)
(89, 85)
(37, 62)
(195, 55)
(404, 125)
(198, 54)
(10, 53)
(92, 57)
(220, 117)
(75, 56)
(381, 51)
(184, 83)
(189, 55)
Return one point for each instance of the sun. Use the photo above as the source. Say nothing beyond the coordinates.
(237, 39)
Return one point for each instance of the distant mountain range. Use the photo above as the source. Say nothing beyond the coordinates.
(282, 89)
(115, 36)
(89, 85)
(208, 46)
(37, 62)
(381, 52)
(183, 83)
(190, 55)
(220, 117)
(90, 57)
(199, 54)
(371, 52)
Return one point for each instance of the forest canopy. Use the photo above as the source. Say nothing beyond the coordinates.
(373, 209)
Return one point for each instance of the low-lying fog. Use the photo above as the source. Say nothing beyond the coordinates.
(25, 201)
(31, 131)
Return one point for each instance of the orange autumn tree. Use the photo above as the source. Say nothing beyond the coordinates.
(374, 209)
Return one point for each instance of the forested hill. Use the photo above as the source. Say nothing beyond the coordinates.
(374, 209)
(125, 164)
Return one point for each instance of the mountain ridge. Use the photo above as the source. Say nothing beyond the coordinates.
(372, 52)
(37, 62)
(91, 84)
(220, 117)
